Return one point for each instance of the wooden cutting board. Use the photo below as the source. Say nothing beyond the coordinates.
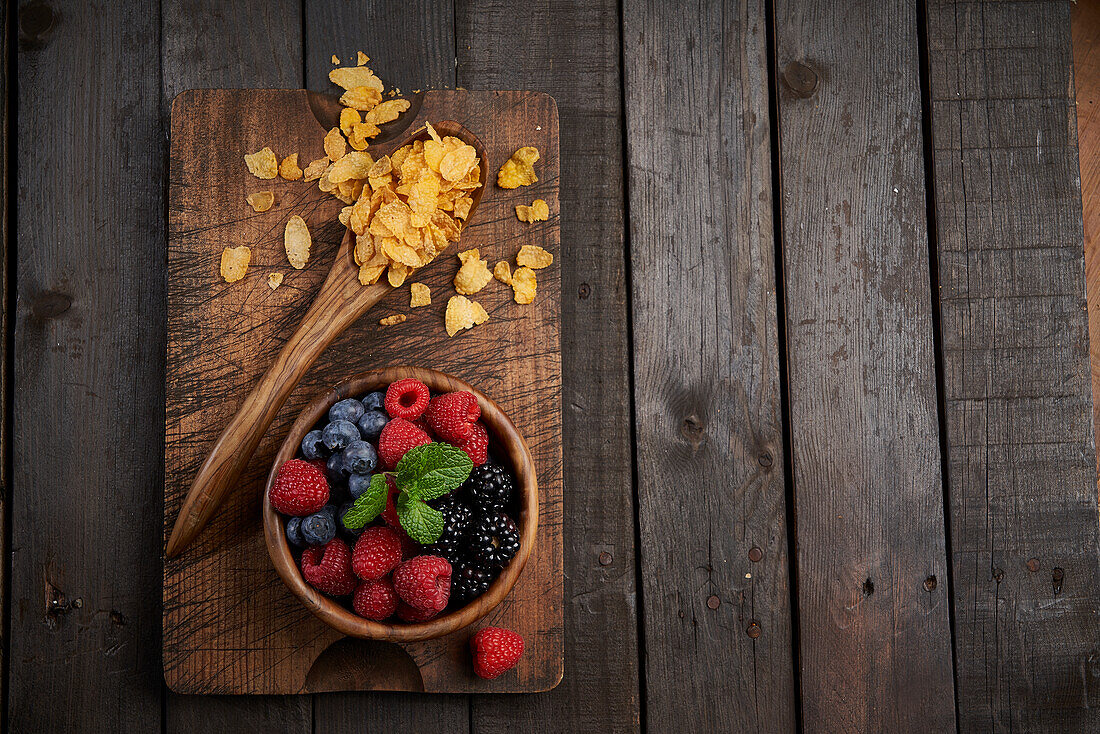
(230, 625)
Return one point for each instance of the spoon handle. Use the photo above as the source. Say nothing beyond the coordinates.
(340, 301)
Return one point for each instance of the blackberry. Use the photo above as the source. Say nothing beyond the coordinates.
(457, 519)
(489, 487)
(470, 580)
(494, 539)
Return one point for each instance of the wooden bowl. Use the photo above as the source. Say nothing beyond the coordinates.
(509, 444)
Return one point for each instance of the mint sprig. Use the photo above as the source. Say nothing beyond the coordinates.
(424, 473)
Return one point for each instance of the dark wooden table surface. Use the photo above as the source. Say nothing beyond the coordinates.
(829, 456)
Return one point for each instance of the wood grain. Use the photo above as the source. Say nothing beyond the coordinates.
(411, 45)
(7, 119)
(89, 307)
(1022, 467)
(1086, 62)
(206, 43)
(230, 625)
(570, 49)
(706, 371)
(875, 644)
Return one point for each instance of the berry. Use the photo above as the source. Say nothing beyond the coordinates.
(409, 547)
(494, 539)
(375, 599)
(470, 580)
(489, 487)
(300, 489)
(377, 552)
(477, 445)
(294, 532)
(328, 568)
(452, 416)
(397, 438)
(372, 423)
(354, 532)
(360, 458)
(495, 650)
(457, 518)
(424, 582)
(338, 434)
(357, 484)
(411, 614)
(407, 399)
(423, 426)
(350, 410)
(313, 447)
(321, 464)
(335, 467)
(319, 528)
(374, 400)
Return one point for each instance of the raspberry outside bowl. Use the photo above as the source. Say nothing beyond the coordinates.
(510, 447)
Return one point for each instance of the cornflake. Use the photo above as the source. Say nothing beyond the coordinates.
(419, 295)
(474, 273)
(274, 280)
(534, 257)
(386, 111)
(361, 98)
(335, 59)
(350, 77)
(524, 285)
(353, 165)
(261, 201)
(235, 263)
(360, 59)
(289, 169)
(335, 147)
(502, 271)
(349, 117)
(519, 170)
(297, 241)
(316, 168)
(392, 320)
(462, 313)
(539, 211)
(262, 164)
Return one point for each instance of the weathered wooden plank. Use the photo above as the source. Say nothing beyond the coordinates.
(88, 371)
(1021, 461)
(7, 249)
(506, 44)
(411, 46)
(207, 44)
(875, 638)
(711, 480)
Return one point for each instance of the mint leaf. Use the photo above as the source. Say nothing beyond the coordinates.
(431, 471)
(424, 524)
(368, 505)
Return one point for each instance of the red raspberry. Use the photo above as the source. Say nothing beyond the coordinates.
(407, 399)
(376, 553)
(398, 437)
(477, 445)
(412, 614)
(424, 582)
(389, 515)
(320, 464)
(423, 426)
(452, 416)
(328, 569)
(495, 650)
(300, 489)
(375, 599)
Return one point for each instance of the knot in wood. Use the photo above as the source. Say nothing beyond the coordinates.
(765, 459)
(1058, 575)
(36, 22)
(585, 291)
(998, 575)
(50, 305)
(800, 78)
(868, 587)
(692, 429)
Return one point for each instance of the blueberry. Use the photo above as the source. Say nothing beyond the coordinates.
(360, 457)
(331, 508)
(372, 423)
(312, 447)
(337, 472)
(374, 400)
(357, 485)
(294, 532)
(343, 511)
(338, 434)
(346, 410)
(319, 528)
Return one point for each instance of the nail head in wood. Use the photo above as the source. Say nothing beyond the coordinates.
(713, 602)
(605, 559)
(754, 630)
(1033, 564)
(755, 554)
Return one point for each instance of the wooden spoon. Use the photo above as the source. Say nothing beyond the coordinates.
(340, 301)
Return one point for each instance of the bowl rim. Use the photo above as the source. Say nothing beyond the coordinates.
(326, 608)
